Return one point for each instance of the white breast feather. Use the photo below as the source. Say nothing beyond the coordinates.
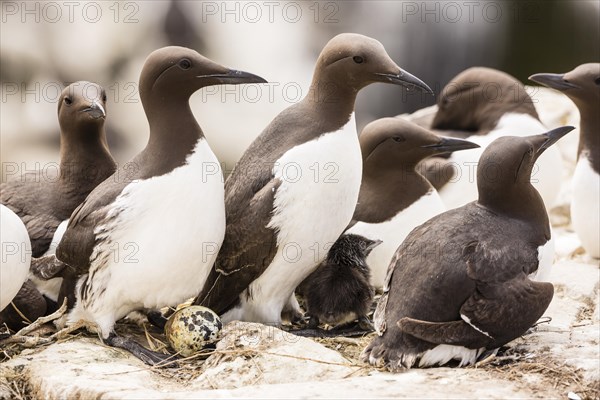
(545, 261)
(585, 207)
(443, 353)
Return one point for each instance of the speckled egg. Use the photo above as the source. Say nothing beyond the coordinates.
(190, 329)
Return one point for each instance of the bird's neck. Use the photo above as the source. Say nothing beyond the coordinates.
(331, 99)
(85, 159)
(522, 202)
(174, 131)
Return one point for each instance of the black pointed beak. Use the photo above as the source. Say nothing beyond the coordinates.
(373, 244)
(95, 110)
(449, 145)
(549, 138)
(554, 81)
(405, 79)
(233, 77)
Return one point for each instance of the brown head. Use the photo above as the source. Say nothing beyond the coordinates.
(392, 148)
(174, 73)
(395, 143)
(82, 109)
(349, 62)
(169, 77)
(477, 98)
(582, 86)
(84, 155)
(504, 174)
(81, 116)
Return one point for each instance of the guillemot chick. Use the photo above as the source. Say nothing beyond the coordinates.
(339, 291)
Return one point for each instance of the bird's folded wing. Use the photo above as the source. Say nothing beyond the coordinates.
(489, 319)
(505, 311)
(493, 261)
(406, 249)
(248, 249)
(40, 225)
(78, 241)
(455, 333)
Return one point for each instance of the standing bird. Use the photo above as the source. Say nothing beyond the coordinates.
(16, 255)
(338, 291)
(147, 237)
(481, 105)
(44, 199)
(294, 190)
(460, 283)
(394, 197)
(582, 86)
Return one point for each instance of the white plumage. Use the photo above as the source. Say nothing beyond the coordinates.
(585, 206)
(16, 255)
(443, 353)
(546, 259)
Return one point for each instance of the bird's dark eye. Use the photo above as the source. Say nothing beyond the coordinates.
(68, 101)
(185, 64)
(358, 59)
(399, 139)
(104, 97)
(597, 81)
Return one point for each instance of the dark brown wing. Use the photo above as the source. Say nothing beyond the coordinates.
(28, 303)
(493, 316)
(506, 310)
(248, 249)
(456, 333)
(26, 198)
(79, 239)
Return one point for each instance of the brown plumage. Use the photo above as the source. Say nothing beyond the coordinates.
(339, 291)
(43, 200)
(29, 302)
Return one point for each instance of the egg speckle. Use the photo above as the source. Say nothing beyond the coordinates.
(190, 329)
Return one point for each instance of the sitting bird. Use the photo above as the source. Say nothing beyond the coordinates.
(461, 282)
